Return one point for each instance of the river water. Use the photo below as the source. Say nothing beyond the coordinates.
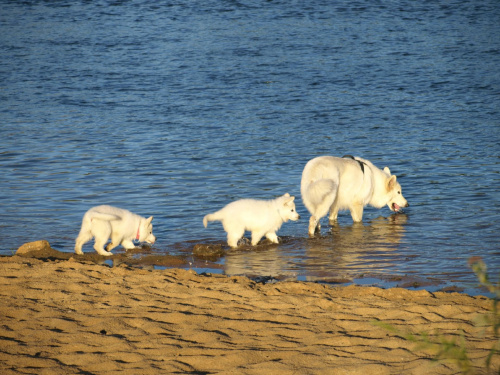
(174, 109)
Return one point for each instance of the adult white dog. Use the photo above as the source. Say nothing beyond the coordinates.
(330, 184)
(261, 217)
(103, 222)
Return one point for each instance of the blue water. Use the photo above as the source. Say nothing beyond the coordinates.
(174, 109)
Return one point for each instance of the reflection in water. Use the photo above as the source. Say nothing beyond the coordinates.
(344, 253)
(356, 249)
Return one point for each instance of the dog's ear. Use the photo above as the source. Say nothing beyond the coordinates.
(391, 183)
(387, 170)
(149, 220)
(289, 200)
(286, 195)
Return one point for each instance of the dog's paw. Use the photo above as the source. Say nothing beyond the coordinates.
(314, 231)
(274, 240)
(105, 253)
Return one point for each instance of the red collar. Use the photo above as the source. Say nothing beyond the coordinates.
(137, 236)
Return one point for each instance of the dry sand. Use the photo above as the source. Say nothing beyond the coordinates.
(78, 317)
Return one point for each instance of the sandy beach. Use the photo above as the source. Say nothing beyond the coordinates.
(74, 316)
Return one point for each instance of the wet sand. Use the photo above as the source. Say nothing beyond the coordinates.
(73, 316)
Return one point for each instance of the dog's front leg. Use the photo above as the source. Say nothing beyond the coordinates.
(271, 236)
(99, 247)
(357, 212)
(256, 236)
(112, 245)
(128, 244)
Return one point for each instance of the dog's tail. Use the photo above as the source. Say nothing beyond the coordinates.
(102, 216)
(211, 217)
(316, 191)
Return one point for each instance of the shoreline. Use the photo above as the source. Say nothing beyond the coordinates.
(71, 316)
(203, 258)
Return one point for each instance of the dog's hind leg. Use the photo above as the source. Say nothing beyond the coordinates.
(314, 226)
(101, 232)
(318, 197)
(83, 237)
(320, 211)
(234, 235)
(334, 212)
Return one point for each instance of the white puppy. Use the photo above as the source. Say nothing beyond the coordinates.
(262, 218)
(103, 222)
(331, 184)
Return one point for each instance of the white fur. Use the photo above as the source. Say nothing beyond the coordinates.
(103, 222)
(331, 184)
(262, 218)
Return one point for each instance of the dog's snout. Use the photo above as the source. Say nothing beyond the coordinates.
(407, 204)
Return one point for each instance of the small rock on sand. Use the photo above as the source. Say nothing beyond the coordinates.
(37, 246)
(208, 251)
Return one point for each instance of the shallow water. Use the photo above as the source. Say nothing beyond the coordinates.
(174, 110)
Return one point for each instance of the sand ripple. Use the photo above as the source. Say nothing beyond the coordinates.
(67, 317)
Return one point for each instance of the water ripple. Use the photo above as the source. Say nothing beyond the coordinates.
(174, 110)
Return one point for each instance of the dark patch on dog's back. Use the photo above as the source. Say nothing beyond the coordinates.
(361, 164)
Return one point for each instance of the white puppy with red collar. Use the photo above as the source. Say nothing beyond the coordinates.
(122, 226)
